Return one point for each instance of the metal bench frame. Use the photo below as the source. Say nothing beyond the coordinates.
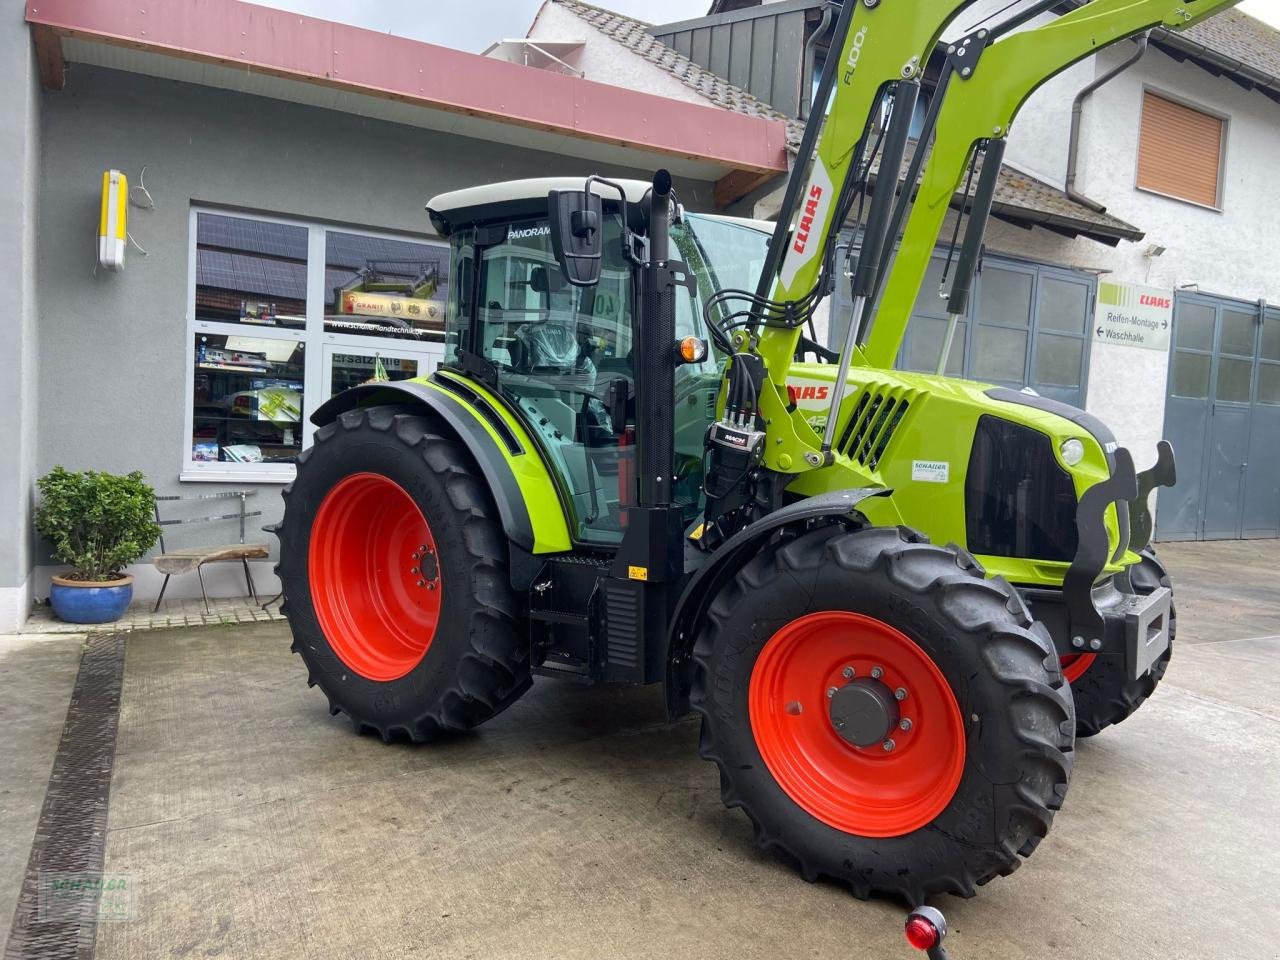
(243, 515)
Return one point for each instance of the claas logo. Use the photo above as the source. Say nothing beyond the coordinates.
(807, 392)
(806, 222)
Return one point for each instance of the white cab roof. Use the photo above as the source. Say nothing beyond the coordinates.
(534, 189)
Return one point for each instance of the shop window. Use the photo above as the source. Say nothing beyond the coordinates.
(247, 399)
(250, 272)
(274, 330)
(1180, 151)
(347, 369)
(383, 287)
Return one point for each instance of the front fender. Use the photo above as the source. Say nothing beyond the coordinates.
(522, 488)
(840, 506)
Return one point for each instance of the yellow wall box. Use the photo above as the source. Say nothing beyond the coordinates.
(113, 225)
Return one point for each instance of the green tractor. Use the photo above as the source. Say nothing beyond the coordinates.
(894, 599)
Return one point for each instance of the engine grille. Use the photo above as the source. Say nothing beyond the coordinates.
(877, 414)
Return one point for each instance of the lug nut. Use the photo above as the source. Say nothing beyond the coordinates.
(876, 673)
(1095, 644)
(900, 693)
(888, 745)
(1077, 642)
(831, 692)
(413, 569)
(904, 724)
(794, 708)
(422, 583)
(848, 673)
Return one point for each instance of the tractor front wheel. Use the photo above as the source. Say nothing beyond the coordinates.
(884, 714)
(395, 578)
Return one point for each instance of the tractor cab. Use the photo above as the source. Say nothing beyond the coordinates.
(564, 356)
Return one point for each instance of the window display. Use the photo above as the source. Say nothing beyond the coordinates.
(247, 400)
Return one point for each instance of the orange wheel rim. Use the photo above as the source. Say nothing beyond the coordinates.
(1074, 665)
(866, 790)
(376, 583)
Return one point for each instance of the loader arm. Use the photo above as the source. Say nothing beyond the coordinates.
(981, 106)
(883, 46)
(879, 44)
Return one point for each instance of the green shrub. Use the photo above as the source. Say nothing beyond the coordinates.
(98, 523)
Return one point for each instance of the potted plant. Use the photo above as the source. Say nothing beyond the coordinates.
(98, 523)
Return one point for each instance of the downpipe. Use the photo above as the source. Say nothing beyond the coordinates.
(1077, 111)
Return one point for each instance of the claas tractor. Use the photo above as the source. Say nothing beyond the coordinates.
(894, 599)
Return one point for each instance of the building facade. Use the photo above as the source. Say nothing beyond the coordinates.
(278, 247)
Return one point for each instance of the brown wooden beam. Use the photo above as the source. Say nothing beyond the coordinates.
(53, 69)
(732, 187)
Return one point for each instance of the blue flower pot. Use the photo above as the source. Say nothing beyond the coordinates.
(82, 601)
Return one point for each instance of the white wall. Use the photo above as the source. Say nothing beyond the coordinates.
(1235, 252)
(605, 60)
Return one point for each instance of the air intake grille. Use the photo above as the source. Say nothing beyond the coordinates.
(876, 417)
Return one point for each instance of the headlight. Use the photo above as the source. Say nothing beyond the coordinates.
(1072, 452)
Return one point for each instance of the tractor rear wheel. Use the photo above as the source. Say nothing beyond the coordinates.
(395, 579)
(1104, 692)
(883, 714)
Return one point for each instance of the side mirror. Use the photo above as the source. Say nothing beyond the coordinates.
(577, 234)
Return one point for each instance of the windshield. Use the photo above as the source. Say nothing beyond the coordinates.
(724, 255)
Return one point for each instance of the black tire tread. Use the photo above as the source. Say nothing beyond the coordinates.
(495, 671)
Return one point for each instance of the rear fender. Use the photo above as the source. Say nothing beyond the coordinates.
(522, 487)
(840, 506)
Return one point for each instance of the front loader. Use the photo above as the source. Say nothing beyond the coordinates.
(873, 586)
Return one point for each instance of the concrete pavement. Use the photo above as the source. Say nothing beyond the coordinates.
(579, 824)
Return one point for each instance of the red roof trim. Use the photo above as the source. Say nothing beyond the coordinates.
(244, 35)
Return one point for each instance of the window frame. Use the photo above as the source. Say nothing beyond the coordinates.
(1223, 118)
(313, 336)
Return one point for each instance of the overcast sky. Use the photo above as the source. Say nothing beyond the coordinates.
(474, 24)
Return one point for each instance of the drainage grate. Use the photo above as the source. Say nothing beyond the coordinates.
(73, 821)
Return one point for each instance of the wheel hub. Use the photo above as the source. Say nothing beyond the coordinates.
(864, 712)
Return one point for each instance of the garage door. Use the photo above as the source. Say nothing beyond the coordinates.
(1223, 418)
(1026, 326)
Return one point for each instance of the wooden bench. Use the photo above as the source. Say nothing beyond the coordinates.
(189, 559)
